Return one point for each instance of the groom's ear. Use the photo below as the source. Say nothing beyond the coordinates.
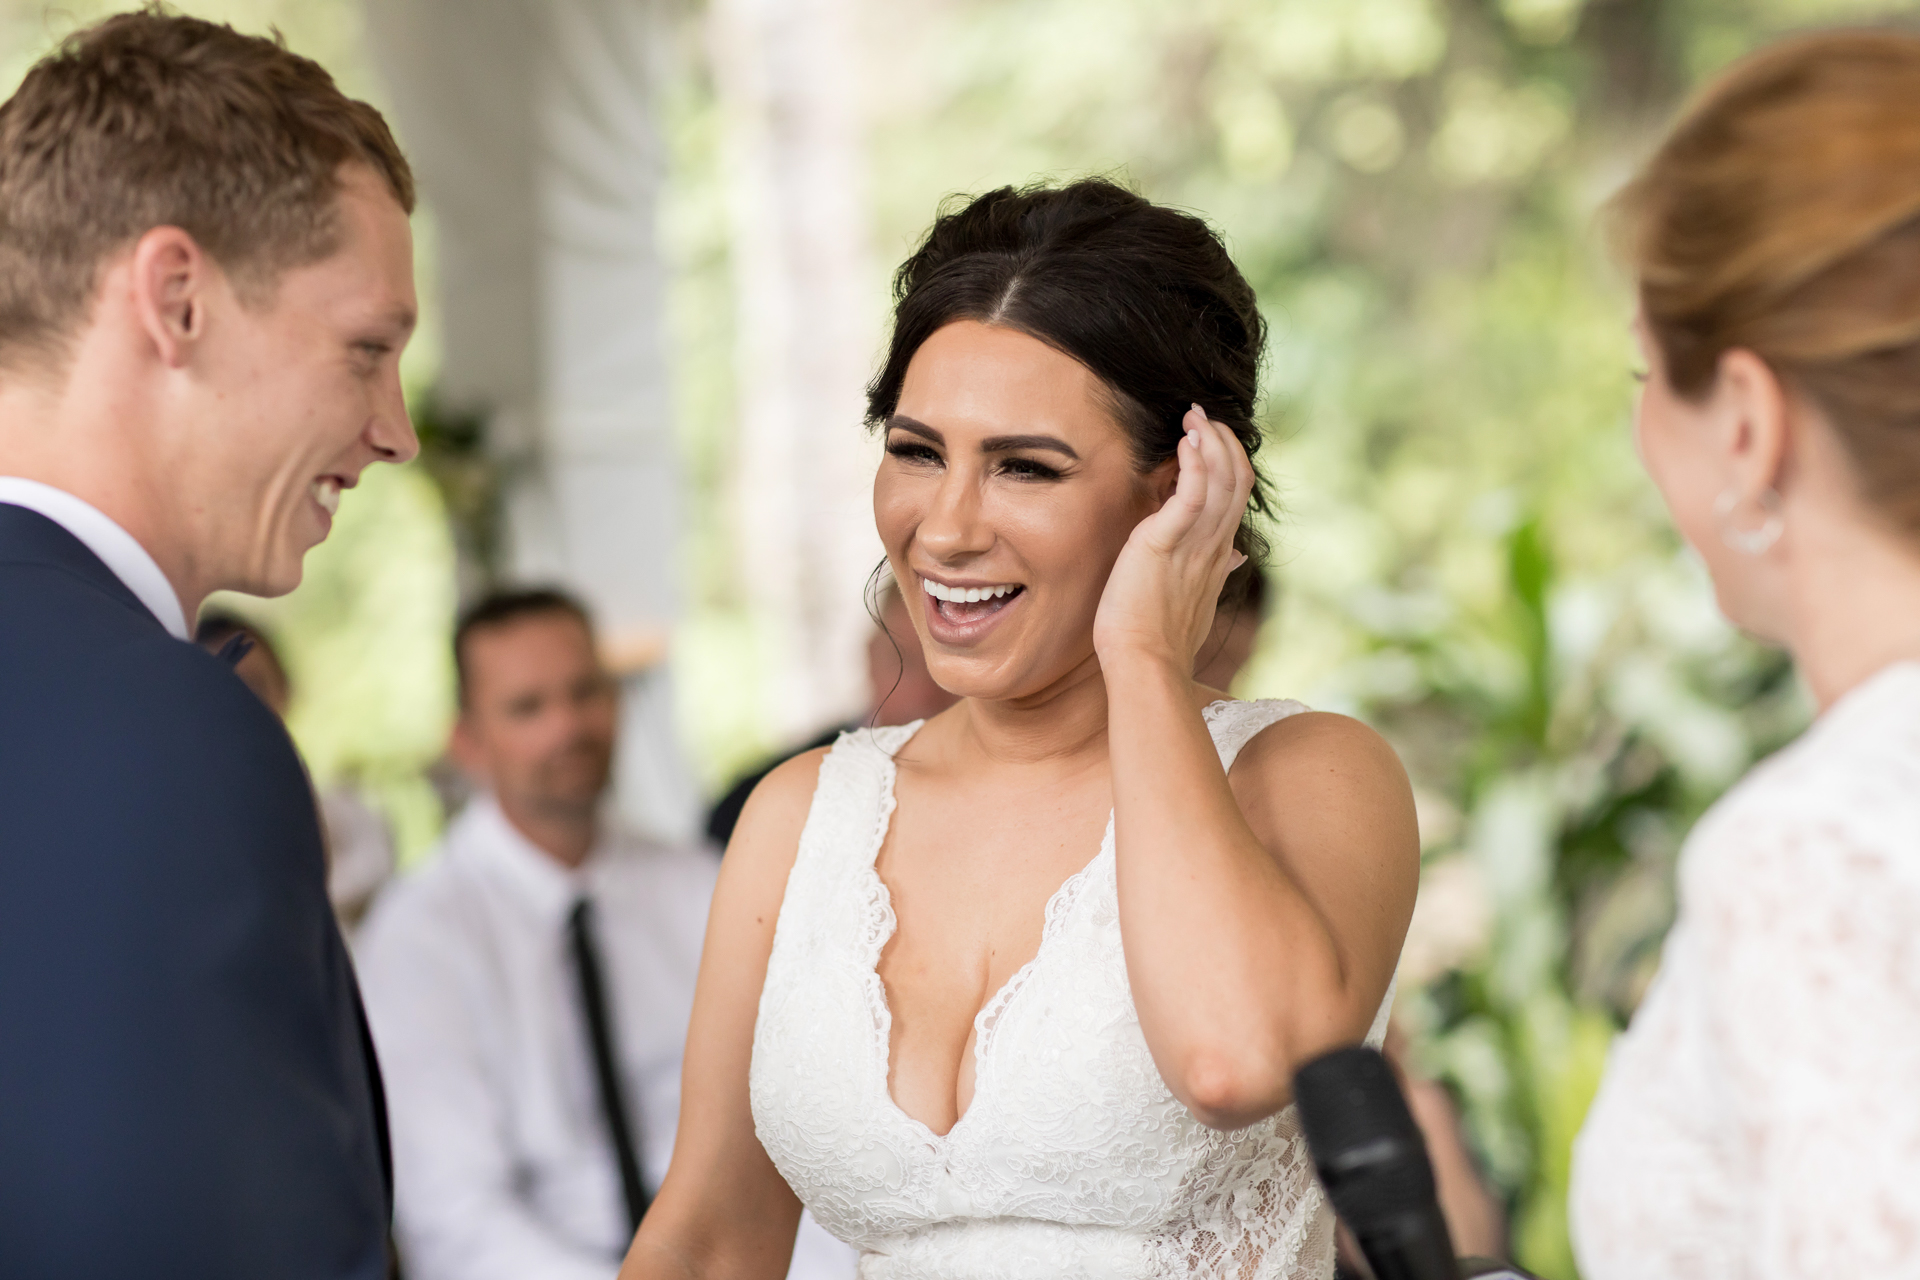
(170, 281)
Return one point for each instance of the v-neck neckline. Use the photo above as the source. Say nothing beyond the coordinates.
(1062, 900)
(1058, 903)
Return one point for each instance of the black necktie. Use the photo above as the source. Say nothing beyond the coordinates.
(613, 1102)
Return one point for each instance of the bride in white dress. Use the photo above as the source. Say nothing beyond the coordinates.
(1019, 991)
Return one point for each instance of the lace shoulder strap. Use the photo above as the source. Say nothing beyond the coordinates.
(851, 801)
(1233, 723)
(885, 740)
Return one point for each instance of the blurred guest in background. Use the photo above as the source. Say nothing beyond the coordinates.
(254, 658)
(358, 842)
(1759, 1119)
(901, 690)
(530, 987)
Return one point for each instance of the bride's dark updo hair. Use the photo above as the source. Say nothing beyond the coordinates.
(1144, 296)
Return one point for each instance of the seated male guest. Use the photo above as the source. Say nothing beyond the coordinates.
(529, 988)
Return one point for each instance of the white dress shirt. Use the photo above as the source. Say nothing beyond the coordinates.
(502, 1162)
(117, 548)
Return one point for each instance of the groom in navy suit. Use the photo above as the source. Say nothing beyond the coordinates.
(206, 280)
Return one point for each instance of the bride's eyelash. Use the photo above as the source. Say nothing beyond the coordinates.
(916, 453)
(1029, 469)
(908, 451)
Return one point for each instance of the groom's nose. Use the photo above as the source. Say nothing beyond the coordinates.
(390, 432)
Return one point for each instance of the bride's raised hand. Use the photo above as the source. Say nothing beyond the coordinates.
(1159, 599)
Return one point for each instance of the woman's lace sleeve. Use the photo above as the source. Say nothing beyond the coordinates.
(1809, 943)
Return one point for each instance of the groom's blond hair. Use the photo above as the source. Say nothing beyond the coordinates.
(151, 119)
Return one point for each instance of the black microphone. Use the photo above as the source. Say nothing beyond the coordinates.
(1373, 1163)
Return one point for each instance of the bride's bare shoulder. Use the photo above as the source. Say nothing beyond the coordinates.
(1344, 764)
(758, 861)
(1352, 774)
(777, 809)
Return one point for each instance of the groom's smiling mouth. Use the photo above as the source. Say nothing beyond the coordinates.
(326, 491)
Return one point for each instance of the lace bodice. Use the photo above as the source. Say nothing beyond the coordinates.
(1073, 1159)
(1761, 1118)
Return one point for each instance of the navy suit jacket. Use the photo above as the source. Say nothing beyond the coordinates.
(187, 1087)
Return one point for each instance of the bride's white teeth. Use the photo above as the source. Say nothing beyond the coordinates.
(326, 492)
(967, 595)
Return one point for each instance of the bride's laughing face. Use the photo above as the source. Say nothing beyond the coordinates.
(1007, 491)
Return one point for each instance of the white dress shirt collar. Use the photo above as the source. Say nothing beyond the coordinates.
(117, 548)
(539, 878)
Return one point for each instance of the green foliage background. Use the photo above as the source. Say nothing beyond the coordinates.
(1471, 559)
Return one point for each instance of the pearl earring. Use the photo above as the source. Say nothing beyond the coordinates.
(1752, 542)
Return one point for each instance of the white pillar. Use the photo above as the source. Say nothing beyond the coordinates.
(530, 124)
(807, 314)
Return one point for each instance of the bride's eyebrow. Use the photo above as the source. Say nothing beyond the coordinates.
(992, 444)
(1001, 444)
(915, 427)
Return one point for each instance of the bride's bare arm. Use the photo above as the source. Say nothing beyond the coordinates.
(724, 1212)
(1262, 915)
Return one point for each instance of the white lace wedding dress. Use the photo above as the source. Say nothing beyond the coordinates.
(1073, 1159)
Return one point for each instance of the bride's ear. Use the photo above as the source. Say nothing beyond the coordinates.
(1162, 480)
